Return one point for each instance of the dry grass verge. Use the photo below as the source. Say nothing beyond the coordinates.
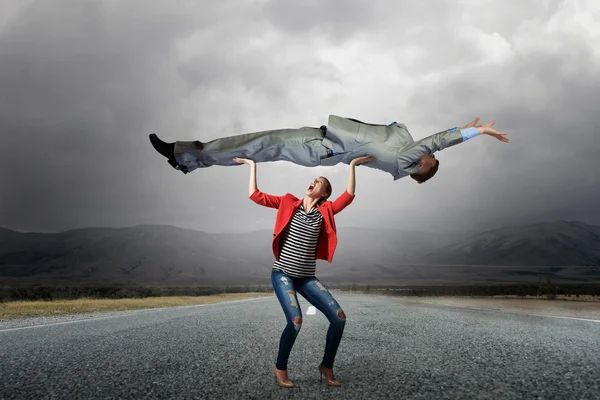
(26, 309)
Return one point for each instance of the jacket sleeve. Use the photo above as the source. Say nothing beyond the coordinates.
(342, 202)
(266, 200)
(430, 145)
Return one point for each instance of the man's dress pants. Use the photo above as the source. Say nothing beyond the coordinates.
(303, 146)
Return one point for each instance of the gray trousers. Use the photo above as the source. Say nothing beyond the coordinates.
(303, 146)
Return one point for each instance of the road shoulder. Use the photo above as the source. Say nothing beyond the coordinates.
(559, 308)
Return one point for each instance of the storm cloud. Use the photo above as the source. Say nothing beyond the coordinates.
(82, 84)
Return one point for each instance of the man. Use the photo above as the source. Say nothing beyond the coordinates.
(342, 140)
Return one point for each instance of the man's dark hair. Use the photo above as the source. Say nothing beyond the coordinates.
(328, 190)
(422, 178)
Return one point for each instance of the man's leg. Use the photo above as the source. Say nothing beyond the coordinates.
(301, 146)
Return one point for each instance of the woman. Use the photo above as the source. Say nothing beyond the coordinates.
(305, 231)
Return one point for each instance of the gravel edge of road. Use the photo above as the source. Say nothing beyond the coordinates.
(539, 307)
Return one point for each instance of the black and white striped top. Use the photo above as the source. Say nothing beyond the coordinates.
(298, 252)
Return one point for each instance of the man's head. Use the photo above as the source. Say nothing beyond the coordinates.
(428, 166)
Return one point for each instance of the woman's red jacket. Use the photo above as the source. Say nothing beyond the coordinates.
(286, 207)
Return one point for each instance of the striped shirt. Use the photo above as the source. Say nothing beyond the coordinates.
(298, 253)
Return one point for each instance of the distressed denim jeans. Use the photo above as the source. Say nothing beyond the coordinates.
(286, 289)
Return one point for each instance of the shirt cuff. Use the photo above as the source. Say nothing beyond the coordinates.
(469, 133)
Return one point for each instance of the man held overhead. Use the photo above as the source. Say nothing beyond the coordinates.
(341, 141)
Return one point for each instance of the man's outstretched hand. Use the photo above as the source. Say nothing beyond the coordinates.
(488, 130)
(472, 124)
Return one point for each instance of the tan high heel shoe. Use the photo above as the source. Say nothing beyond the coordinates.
(330, 382)
(286, 384)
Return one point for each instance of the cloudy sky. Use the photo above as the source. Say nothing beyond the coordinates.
(82, 84)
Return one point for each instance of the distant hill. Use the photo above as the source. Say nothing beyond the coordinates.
(167, 255)
(141, 254)
(558, 243)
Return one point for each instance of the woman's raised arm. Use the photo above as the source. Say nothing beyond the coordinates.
(252, 186)
(351, 174)
(263, 199)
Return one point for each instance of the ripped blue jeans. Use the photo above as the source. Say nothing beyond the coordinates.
(286, 289)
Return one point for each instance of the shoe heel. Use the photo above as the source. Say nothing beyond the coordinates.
(288, 384)
(333, 382)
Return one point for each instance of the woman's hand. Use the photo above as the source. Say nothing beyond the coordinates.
(361, 160)
(244, 161)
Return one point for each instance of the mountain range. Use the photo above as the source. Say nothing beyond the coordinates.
(168, 255)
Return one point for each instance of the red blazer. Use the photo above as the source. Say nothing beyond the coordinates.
(287, 205)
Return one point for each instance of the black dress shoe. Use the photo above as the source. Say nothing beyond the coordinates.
(166, 149)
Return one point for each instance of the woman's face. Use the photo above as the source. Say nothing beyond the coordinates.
(316, 189)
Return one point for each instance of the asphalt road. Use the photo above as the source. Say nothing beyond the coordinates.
(391, 349)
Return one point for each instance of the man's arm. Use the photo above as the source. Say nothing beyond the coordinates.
(429, 145)
(448, 138)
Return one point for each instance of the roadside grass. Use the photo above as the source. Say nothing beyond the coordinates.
(27, 309)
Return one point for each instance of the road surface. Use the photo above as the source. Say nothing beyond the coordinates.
(391, 348)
